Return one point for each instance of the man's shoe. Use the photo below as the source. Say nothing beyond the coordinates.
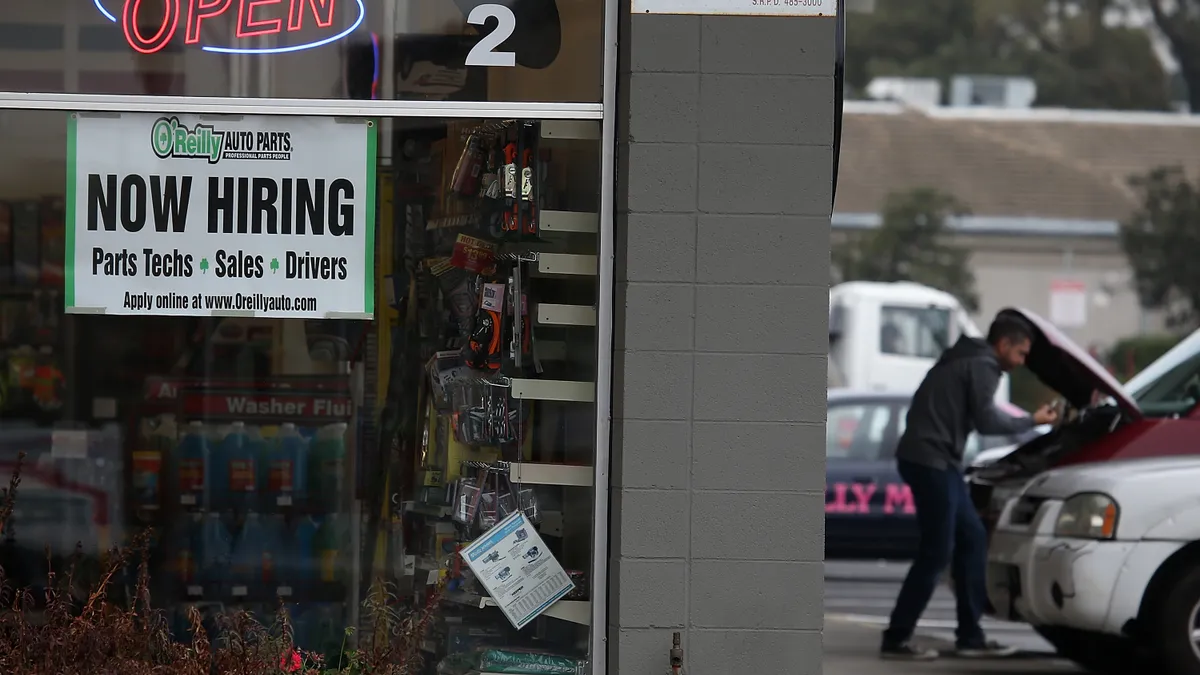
(984, 650)
(906, 651)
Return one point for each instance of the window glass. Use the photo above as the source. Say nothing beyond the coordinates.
(857, 431)
(1170, 385)
(334, 465)
(530, 50)
(923, 332)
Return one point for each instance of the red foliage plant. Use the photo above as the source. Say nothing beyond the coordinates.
(68, 632)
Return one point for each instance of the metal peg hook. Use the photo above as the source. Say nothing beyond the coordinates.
(525, 257)
(499, 382)
(488, 128)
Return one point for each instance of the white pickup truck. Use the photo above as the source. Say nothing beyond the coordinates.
(886, 336)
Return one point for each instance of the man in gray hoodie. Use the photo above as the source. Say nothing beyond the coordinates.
(956, 397)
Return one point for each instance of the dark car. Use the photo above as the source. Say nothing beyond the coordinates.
(868, 508)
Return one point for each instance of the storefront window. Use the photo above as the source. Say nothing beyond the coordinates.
(436, 50)
(407, 440)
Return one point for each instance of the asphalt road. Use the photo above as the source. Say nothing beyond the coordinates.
(849, 650)
(861, 594)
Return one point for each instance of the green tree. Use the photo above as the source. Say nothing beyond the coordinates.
(910, 245)
(1076, 54)
(1129, 356)
(1179, 22)
(1161, 239)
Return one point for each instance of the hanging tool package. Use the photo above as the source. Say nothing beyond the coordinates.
(466, 290)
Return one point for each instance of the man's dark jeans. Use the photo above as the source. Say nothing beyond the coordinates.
(951, 534)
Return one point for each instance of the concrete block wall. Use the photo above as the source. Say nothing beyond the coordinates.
(725, 133)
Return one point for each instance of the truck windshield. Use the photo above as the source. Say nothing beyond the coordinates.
(923, 332)
(1170, 385)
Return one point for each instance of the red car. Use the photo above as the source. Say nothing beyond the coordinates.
(1156, 414)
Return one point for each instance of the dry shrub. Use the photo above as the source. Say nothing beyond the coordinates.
(69, 634)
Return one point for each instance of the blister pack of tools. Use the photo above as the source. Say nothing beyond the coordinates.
(502, 165)
(486, 495)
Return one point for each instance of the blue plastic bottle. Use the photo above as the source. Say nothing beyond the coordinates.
(193, 467)
(286, 467)
(326, 461)
(183, 546)
(252, 562)
(237, 477)
(274, 549)
(214, 551)
(302, 563)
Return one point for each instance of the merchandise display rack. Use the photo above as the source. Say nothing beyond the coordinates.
(285, 494)
(542, 259)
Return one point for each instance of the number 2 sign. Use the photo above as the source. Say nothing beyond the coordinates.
(484, 53)
(527, 33)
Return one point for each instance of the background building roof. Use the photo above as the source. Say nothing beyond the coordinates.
(1032, 163)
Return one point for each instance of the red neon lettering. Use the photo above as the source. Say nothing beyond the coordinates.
(198, 11)
(898, 495)
(862, 494)
(133, 32)
(248, 26)
(253, 18)
(296, 13)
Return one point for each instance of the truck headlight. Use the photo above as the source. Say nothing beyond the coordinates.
(1088, 515)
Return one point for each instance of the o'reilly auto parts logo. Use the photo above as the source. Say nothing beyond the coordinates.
(170, 138)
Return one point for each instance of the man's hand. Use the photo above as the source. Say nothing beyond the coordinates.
(1047, 414)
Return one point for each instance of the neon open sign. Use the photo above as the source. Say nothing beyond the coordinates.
(150, 26)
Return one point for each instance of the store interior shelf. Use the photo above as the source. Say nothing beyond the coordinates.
(569, 221)
(578, 130)
(565, 315)
(566, 264)
(575, 611)
(551, 474)
(427, 509)
(550, 350)
(553, 390)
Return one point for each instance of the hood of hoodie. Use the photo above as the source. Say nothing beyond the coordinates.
(967, 348)
(1063, 366)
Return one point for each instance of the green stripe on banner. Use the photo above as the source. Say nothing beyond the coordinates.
(369, 285)
(69, 259)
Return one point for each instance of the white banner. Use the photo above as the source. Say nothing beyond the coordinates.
(208, 216)
(827, 8)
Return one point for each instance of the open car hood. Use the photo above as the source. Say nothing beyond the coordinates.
(1061, 365)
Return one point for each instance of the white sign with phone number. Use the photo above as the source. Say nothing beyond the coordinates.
(738, 7)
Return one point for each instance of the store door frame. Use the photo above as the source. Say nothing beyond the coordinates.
(385, 109)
